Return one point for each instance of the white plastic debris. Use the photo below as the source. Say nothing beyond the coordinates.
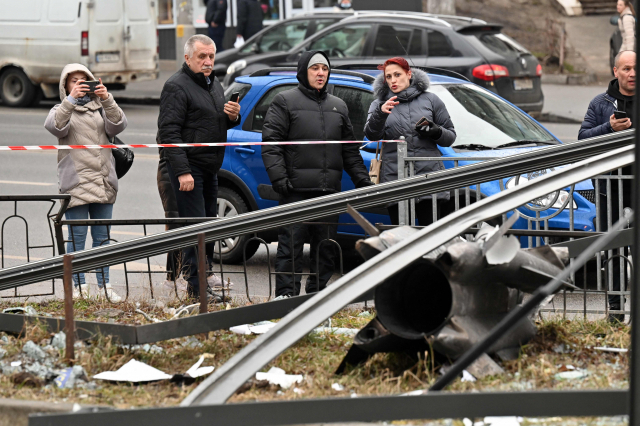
(467, 377)
(615, 350)
(257, 328)
(134, 372)
(503, 251)
(277, 376)
(16, 363)
(298, 391)
(59, 340)
(337, 387)
(571, 375)
(34, 351)
(467, 422)
(197, 371)
(503, 421)
(414, 393)
(27, 310)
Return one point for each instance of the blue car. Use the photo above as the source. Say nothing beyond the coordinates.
(486, 126)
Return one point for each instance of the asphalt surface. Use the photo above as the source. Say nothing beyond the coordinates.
(35, 173)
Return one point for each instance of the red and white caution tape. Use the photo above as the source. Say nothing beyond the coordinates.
(177, 145)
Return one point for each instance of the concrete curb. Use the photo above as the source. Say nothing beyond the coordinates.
(570, 79)
(15, 412)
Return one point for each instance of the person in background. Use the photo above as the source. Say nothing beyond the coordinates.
(88, 175)
(216, 18)
(402, 101)
(303, 172)
(250, 16)
(627, 24)
(192, 110)
(343, 5)
(599, 120)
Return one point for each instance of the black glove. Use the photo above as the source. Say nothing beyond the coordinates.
(364, 182)
(429, 130)
(282, 187)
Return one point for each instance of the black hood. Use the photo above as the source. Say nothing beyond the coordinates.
(614, 91)
(303, 65)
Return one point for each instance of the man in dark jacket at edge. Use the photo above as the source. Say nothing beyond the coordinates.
(302, 172)
(250, 18)
(600, 120)
(192, 110)
(216, 18)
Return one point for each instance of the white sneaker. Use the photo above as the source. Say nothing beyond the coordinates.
(284, 296)
(113, 296)
(77, 289)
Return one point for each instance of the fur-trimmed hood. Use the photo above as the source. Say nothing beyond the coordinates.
(419, 83)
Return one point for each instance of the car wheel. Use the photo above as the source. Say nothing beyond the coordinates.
(16, 90)
(230, 204)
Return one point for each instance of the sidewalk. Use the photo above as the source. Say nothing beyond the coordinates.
(144, 92)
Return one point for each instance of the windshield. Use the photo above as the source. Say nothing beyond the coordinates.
(480, 118)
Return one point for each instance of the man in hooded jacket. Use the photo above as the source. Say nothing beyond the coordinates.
(600, 120)
(301, 172)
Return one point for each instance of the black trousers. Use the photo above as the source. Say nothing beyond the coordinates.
(424, 212)
(199, 202)
(217, 35)
(616, 302)
(291, 240)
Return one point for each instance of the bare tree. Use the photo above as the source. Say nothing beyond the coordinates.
(442, 7)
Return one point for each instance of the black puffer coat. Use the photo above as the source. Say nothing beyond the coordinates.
(415, 102)
(308, 114)
(192, 111)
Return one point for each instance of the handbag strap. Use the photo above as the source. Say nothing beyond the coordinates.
(377, 150)
(110, 139)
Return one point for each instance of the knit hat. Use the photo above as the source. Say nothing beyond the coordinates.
(318, 58)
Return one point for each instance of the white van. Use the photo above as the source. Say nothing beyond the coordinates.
(116, 39)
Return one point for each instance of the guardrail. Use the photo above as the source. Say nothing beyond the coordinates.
(317, 208)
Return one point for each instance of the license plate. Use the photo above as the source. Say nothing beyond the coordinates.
(108, 57)
(522, 84)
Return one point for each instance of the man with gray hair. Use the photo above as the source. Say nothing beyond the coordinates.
(610, 112)
(192, 110)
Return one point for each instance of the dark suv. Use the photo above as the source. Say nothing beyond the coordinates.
(471, 47)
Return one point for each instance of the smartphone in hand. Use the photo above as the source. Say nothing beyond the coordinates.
(422, 122)
(235, 97)
(619, 115)
(92, 85)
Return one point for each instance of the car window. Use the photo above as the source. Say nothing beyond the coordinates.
(482, 118)
(284, 37)
(321, 24)
(394, 40)
(438, 44)
(260, 111)
(358, 102)
(242, 88)
(496, 44)
(345, 42)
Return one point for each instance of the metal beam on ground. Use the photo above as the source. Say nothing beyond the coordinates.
(435, 405)
(446, 180)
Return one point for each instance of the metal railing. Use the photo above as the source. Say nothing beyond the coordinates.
(605, 278)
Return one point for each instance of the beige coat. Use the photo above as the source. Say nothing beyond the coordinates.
(88, 175)
(627, 25)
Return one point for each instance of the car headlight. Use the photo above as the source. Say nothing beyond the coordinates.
(547, 201)
(237, 66)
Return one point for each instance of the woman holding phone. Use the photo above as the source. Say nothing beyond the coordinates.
(404, 107)
(87, 115)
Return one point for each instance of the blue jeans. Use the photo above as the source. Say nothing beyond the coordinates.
(99, 235)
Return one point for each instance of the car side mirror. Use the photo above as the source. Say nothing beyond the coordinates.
(614, 20)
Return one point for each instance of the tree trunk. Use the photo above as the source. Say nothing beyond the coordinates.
(441, 7)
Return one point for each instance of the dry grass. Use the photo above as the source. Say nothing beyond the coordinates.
(558, 344)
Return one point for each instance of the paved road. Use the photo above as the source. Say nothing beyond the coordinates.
(35, 173)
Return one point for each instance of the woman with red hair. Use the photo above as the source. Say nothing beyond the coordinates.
(402, 101)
